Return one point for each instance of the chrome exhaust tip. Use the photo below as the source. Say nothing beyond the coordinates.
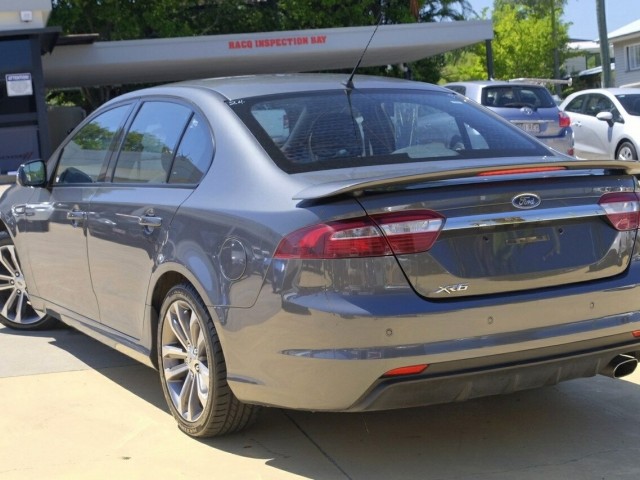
(620, 366)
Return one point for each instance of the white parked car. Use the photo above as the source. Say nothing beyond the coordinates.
(606, 122)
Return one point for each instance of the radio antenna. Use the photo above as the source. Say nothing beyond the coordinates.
(349, 83)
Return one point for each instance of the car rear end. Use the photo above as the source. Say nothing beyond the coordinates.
(439, 278)
(529, 107)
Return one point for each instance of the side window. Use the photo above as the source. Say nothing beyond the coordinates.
(194, 153)
(83, 158)
(576, 104)
(597, 104)
(149, 145)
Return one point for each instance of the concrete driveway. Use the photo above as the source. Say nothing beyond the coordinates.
(74, 409)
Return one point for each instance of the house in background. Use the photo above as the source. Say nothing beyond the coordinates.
(626, 47)
(585, 65)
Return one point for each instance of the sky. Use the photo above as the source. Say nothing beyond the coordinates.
(582, 14)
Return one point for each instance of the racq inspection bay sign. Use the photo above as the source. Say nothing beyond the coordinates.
(278, 42)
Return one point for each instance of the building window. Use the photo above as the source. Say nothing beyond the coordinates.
(633, 54)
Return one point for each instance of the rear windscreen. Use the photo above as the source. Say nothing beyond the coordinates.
(353, 128)
(517, 96)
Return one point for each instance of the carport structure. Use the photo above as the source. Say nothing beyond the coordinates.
(171, 59)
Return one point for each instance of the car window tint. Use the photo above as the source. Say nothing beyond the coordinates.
(597, 104)
(576, 104)
(517, 96)
(630, 102)
(273, 119)
(149, 145)
(83, 158)
(194, 153)
(376, 127)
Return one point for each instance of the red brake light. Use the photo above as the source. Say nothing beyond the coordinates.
(622, 208)
(518, 171)
(380, 235)
(636, 333)
(564, 120)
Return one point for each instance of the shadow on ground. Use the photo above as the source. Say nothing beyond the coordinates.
(580, 429)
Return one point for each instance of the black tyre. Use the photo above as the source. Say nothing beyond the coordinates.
(193, 371)
(15, 308)
(627, 151)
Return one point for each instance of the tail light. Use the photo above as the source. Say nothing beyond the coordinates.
(623, 209)
(374, 236)
(564, 120)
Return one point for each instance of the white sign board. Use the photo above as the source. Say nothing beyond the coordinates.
(19, 84)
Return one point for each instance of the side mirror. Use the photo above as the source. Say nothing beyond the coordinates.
(606, 117)
(32, 174)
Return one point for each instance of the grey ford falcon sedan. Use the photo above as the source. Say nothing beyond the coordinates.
(324, 243)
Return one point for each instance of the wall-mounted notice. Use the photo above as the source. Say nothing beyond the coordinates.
(19, 84)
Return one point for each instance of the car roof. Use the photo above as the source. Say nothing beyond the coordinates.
(233, 88)
(493, 83)
(612, 91)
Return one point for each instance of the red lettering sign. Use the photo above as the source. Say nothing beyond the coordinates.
(278, 42)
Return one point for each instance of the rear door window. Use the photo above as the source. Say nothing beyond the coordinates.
(194, 154)
(149, 146)
(576, 105)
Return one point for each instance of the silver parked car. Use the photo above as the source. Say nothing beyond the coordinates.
(606, 122)
(528, 106)
(369, 244)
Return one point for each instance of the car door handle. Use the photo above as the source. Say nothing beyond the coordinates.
(150, 221)
(75, 215)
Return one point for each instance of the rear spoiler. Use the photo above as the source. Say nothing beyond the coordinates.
(356, 186)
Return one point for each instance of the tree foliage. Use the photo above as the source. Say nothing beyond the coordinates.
(527, 33)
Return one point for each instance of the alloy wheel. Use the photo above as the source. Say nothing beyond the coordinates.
(14, 299)
(185, 360)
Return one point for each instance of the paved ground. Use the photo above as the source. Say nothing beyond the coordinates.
(74, 409)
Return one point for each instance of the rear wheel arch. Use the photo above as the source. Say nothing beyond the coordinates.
(625, 143)
(158, 292)
(190, 360)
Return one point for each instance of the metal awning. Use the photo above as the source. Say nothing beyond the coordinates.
(174, 59)
(595, 70)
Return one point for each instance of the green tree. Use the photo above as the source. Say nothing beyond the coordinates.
(525, 40)
(529, 38)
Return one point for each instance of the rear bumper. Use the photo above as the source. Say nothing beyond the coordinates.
(328, 351)
(563, 143)
(504, 374)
